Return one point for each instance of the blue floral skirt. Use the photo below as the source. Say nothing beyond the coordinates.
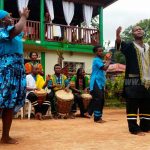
(12, 82)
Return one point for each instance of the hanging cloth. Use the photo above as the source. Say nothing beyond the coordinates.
(22, 4)
(50, 8)
(68, 8)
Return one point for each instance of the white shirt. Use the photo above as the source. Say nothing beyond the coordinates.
(30, 82)
(145, 59)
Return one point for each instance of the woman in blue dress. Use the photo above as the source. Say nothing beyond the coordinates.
(12, 73)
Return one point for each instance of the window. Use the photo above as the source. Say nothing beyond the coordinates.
(73, 66)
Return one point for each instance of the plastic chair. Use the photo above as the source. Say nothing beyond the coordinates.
(21, 113)
(29, 107)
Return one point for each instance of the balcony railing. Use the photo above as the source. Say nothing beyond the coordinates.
(31, 30)
(71, 34)
(61, 33)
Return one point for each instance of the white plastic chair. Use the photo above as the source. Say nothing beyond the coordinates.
(29, 107)
(20, 112)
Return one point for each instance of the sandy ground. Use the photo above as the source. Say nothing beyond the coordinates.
(77, 134)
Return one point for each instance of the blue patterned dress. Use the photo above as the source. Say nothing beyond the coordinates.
(12, 72)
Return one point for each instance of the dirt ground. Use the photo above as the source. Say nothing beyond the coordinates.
(77, 134)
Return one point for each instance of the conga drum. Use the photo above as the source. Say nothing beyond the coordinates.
(64, 101)
(86, 98)
(41, 94)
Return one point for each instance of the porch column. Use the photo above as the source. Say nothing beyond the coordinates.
(1, 4)
(101, 25)
(42, 25)
(43, 61)
(42, 32)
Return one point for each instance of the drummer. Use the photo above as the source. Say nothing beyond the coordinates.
(56, 82)
(36, 82)
(79, 85)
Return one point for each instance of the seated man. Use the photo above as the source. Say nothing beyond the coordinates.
(36, 82)
(56, 82)
(28, 66)
(79, 84)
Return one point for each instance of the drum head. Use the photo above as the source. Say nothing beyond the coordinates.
(41, 92)
(86, 96)
(63, 95)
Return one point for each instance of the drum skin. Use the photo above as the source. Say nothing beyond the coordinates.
(41, 94)
(64, 101)
(86, 98)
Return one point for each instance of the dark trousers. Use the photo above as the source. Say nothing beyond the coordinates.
(78, 102)
(97, 102)
(135, 107)
(38, 108)
(52, 99)
(90, 109)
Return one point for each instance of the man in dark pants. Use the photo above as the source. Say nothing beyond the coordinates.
(36, 82)
(56, 82)
(97, 83)
(98, 97)
(137, 80)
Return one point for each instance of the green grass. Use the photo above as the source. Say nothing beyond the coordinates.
(114, 103)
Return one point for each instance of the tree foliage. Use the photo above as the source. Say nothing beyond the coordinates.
(145, 24)
(127, 36)
(119, 57)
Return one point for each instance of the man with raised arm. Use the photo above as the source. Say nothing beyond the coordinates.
(137, 80)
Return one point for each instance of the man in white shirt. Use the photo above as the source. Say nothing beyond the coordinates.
(36, 82)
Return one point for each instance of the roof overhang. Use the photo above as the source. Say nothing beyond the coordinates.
(103, 3)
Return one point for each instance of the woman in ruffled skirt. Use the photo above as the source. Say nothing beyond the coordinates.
(12, 73)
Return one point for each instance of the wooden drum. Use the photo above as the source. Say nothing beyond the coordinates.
(41, 94)
(86, 98)
(64, 101)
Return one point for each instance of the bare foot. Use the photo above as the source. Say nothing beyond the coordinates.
(44, 117)
(9, 141)
(140, 133)
(71, 116)
(148, 131)
(100, 121)
(65, 117)
(86, 115)
(38, 116)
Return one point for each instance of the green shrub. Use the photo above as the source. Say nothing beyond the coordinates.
(113, 91)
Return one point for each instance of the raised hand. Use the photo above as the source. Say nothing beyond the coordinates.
(48, 77)
(118, 38)
(118, 31)
(25, 13)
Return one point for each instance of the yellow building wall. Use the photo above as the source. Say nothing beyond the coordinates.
(51, 58)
